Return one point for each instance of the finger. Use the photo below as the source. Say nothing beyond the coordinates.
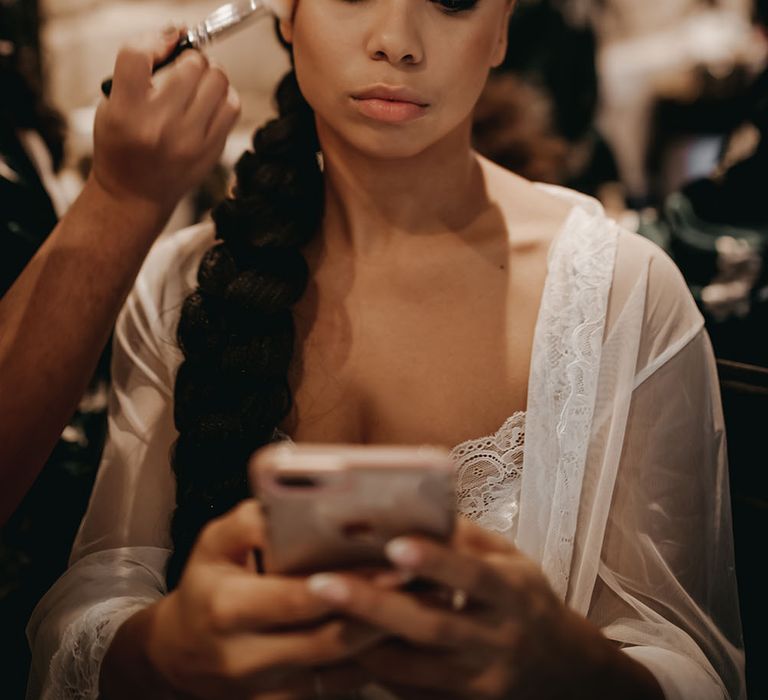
(208, 98)
(232, 537)
(389, 579)
(435, 562)
(225, 118)
(176, 85)
(132, 76)
(399, 664)
(399, 613)
(325, 645)
(249, 602)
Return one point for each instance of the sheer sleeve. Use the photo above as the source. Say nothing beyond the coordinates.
(625, 502)
(666, 586)
(118, 558)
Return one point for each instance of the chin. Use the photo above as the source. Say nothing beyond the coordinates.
(390, 142)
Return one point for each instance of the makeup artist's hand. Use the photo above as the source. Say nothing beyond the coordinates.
(155, 138)
(514, 638)
(228, 632)
(158, 136)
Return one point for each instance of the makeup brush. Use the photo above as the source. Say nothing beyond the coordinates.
(219, 23)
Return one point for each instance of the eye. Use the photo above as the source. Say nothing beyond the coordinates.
(450, 7)
(453, 7)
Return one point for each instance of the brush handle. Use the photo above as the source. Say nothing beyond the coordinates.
(184, 45)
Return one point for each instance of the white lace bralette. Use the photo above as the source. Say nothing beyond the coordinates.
(488, 476)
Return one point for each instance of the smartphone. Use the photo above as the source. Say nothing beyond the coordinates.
(336, 506)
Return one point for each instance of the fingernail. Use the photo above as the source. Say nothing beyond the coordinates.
(233, 97)
(403, 552)
(329, 587)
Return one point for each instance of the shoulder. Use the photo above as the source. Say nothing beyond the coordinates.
(637, 260)
(169, 272)
(646, 288)
(666, 291)
(151, 312)
(649, 291)
(584, 242)
(533, 213)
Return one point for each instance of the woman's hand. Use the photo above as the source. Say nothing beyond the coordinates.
(229, 632)
(514, 638)
(156, 138)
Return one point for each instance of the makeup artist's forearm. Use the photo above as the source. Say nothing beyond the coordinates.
(55, 321)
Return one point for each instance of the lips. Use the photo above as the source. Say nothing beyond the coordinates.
(388, 104)
(391, 94)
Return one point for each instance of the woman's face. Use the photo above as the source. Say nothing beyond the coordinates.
(429, 57)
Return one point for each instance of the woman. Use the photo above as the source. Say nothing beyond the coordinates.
(435, 297)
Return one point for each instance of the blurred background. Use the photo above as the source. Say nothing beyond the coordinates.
(658, 108)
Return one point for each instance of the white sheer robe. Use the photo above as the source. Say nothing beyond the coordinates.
(624, 498)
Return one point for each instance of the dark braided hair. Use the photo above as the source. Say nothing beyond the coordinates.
(236, 329)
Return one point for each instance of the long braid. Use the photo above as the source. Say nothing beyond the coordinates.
(236, 329)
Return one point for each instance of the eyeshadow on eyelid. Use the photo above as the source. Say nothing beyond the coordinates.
(449, 7)
(456, 5)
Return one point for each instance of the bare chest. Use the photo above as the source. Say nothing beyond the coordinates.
(438, 357)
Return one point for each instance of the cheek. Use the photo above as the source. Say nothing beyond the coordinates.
(320, 62)
(465, 70)
(480, 47)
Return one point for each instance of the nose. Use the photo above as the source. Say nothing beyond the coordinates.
(395, 36)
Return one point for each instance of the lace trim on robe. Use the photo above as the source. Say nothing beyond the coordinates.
(561, 391)
(75, 668)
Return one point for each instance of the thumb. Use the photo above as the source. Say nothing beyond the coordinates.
(133, 67)
(232, 537)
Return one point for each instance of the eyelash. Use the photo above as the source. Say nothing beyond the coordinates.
(455, 7)
(449, 7)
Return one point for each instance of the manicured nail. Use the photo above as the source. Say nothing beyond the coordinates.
(329, 587)
(403, 552)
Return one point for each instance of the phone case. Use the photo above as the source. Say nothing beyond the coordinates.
(336, 506)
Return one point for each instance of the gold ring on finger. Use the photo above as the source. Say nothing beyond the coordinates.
(458, 600)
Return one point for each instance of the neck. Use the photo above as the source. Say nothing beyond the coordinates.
(372, 203)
